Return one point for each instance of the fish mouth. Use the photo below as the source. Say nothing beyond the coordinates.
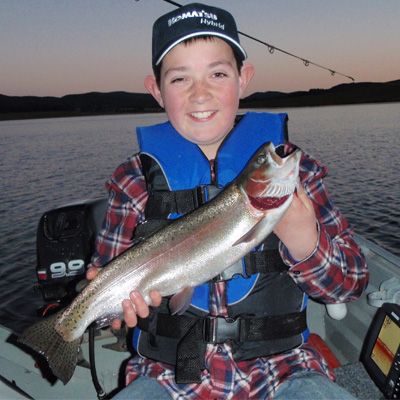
(280, 189)
(267, 203)
(277, 190)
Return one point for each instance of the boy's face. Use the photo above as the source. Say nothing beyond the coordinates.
(200, 88)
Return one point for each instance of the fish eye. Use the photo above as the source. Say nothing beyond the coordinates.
(261, 159)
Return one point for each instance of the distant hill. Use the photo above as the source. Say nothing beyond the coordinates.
(76, 104)
(122, 102)
(350, 93)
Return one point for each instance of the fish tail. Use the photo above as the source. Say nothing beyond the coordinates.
(62, 356)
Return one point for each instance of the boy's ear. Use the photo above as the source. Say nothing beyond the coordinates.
(151, 86)
(246, 74)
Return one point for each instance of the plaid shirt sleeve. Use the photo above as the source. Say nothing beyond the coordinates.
(336, 270)
(127, 197)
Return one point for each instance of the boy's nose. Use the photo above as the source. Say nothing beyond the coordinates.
(200, 92)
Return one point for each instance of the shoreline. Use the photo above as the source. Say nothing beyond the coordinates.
(16, 116)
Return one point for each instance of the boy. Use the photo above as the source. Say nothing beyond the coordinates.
(199, 77)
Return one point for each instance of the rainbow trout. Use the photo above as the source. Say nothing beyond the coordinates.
(175, 259)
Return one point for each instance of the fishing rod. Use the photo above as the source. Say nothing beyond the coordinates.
(272, 49)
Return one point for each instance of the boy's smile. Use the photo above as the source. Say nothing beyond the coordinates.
(200, 90)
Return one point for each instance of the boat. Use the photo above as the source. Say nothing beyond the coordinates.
(340, 333)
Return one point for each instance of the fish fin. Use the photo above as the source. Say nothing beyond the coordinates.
(62, 356)
(251, 235)
(180, 301)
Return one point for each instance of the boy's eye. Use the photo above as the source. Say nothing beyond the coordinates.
(175, 80)
(220, 74)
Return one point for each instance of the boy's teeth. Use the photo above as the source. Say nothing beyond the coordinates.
(202, 114)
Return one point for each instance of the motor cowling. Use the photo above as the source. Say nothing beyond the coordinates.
(65, 243)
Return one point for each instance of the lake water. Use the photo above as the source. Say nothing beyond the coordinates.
(46, 163)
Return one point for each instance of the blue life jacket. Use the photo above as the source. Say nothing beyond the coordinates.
(181, 166)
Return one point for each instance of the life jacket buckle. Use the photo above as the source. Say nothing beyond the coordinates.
(232, 271)
(205, 193)
(199, 196)
(219, 329)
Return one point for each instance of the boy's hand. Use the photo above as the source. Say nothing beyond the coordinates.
(132, 307)
(297, 229)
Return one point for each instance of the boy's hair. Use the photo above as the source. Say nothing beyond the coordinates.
(157, 68)
(193, 21)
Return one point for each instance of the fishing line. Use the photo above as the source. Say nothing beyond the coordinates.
(101, 394)
(272, 49)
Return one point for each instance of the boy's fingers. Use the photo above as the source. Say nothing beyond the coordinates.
(116, 324)
(140, 306)
(155, 298)
(301, 194)
(91, 273)
(131, 308)
(129, 313)
(136, 306)
(305, 200)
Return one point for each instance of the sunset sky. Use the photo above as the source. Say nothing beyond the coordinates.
(58, 47)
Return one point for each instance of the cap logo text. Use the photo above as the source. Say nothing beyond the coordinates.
(206, 18)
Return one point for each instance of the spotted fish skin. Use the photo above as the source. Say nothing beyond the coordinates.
(186, 253)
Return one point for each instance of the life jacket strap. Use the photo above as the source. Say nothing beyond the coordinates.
(264, 261)
(219, 329)
(163, 203)
(195, 333)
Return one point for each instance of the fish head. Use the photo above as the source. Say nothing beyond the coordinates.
(268, 179)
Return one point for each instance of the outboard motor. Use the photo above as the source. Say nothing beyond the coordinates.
(65, 242)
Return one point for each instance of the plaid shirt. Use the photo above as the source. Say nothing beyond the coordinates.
(334, 272)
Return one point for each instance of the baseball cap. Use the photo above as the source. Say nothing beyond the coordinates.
(193, 20)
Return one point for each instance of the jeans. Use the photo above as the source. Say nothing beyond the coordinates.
(311, 386)
(302, 386)
(143, 388)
